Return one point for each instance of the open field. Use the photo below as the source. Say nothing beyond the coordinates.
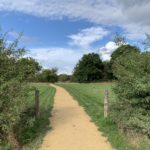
(91, 96)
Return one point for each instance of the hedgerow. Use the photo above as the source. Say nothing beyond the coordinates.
(132, 109)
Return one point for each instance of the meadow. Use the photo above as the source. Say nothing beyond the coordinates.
(91, 96)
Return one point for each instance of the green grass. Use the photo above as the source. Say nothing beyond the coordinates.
(31, 130)
(91, 96)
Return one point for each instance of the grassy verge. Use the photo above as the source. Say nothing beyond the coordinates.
(91, 96)
(31, 130)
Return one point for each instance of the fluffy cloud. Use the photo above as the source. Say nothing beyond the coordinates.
(111, 12)
(97, 11)
(92, 10)
(135, 31)
(88, 36)
(62, 58)
(106, 51)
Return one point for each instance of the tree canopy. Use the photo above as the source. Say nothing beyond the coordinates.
(89, 68)
(48, 75)
(64, 77)
(29, 67)
(123, 50)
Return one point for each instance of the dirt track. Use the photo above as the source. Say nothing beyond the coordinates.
(71, 127)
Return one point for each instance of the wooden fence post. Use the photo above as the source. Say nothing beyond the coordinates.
(37, 109)
(106, 103)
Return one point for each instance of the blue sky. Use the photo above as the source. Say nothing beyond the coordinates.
(58, 32)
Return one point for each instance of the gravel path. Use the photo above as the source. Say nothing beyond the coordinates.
(71, 127)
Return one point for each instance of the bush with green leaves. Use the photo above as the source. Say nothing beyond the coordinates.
(12, 90)
(132, 109)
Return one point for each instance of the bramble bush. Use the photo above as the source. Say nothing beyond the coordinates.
(132, 109)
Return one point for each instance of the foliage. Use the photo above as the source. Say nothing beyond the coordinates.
(89, 68)
(29, 67)
(12, 89)
(48, 75)
(123, 50)
(133, 91)
(107, 73)
(64, 77)
(31, 130)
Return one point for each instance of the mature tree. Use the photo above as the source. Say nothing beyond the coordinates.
(63, 77)
(133, 91)
(28, 67)
(48, 75)
(89, 68)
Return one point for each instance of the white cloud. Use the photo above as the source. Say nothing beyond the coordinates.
(63, 58)
(135, 31)
(92, 10)
(88, 36)
(107, 12)
(106, 51)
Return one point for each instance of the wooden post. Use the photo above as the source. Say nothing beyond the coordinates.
(106, 103)
(37, 109)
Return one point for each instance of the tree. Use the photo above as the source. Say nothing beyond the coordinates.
(48, 75)
(63, 77)
(28, 67)
(89, 68)
(107, 73)
(132, 109)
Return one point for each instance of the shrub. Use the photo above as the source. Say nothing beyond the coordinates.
(132, 109)
(12, 90)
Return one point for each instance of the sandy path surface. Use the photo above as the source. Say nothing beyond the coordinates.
(71, 127)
